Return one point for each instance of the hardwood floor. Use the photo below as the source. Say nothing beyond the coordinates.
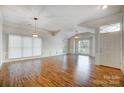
(59, 71)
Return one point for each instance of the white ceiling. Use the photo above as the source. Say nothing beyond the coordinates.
(103, 21)
(53, 17)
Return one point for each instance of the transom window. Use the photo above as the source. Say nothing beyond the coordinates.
(110, 28)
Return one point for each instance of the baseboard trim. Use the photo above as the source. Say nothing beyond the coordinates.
(29, 58)
(19, 59)
(110, 67)
(38, 57)
(80, 54)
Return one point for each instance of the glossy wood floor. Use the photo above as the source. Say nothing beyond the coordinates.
(59, 71)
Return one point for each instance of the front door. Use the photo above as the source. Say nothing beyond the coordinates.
(110, 46)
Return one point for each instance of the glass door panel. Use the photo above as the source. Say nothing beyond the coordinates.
(83, 47)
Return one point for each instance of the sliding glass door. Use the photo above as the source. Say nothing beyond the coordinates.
(24, 46)
(27, 47)
(83, 47)
(14, 46)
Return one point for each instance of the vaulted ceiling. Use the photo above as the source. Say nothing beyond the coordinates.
(55, 17)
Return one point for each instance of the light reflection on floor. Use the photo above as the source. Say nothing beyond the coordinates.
(83, 68)
(22, 70)
(65, 70)
(78, 66)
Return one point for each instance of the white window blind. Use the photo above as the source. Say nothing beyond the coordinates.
(36, 46)
(27, 46)
(23, 46)
(14, 46)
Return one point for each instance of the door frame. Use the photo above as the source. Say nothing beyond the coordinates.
(90, 44)
(98, 43)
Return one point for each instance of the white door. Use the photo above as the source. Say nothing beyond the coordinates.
(84, 47)
(110, 47)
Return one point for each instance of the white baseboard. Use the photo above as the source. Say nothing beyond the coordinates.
(29, 58)
(20, 59)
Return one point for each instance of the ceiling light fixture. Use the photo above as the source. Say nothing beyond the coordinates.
(104, 6)
(76, 37)
(35, 33)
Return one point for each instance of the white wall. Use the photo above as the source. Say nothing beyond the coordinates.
(97, 45)
(123, 40)
(122, 64)
(1, 29)
(53, 46)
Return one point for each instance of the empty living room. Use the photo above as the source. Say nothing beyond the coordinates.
(61, 46)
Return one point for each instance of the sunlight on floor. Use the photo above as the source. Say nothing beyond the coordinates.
(82, 68)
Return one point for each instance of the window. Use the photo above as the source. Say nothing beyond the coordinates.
(110, 28)
(83, 46)
(23, 46)
(14, 46)
(36, 46)
(27, 46)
